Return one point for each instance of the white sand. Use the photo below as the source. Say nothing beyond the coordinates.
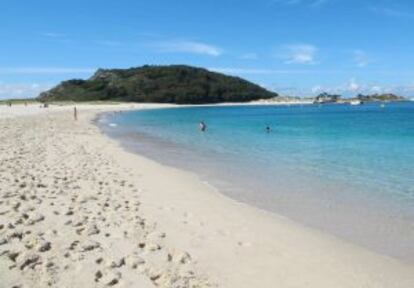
(77, 210)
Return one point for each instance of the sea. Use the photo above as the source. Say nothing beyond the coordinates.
(343, 169)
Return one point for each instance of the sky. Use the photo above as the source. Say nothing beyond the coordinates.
(294, 47)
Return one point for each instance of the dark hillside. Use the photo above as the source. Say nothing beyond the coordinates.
(162, 84)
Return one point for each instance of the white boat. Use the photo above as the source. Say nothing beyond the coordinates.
(356, 102)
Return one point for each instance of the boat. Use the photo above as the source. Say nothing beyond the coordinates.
(356, 102)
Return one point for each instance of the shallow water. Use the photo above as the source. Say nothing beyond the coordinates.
(344, 169)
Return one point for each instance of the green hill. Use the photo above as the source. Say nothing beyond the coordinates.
(380, 97)
(161, 84)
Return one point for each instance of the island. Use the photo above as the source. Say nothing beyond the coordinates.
(325, 98)
(178, 84)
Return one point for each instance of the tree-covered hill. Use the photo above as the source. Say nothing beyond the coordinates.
(163, 84)
(380, 97)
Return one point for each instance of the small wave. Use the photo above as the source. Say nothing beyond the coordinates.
(113, 124)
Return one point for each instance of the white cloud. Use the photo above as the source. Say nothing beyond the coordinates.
(299, 54)
(402, 90)
(317, 89)
(250, 56)
(184, 46)
(349, 88)
(52, 34)
(361, 58)
(45, 70)
(12, 91)
(376, 89)
(353, 85)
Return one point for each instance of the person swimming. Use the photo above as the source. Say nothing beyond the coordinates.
(203, 126)
(268, 129)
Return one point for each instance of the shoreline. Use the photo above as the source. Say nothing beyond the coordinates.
(235, 244)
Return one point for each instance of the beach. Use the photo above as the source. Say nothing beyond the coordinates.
(78, 210)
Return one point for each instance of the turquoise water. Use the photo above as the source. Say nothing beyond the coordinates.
(340, 168)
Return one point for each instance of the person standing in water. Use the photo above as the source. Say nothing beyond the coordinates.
(268, 129)
(203, 126)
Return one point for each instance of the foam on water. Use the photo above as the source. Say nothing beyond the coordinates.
(340, 168)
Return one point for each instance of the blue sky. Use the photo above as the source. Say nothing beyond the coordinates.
(295, 47)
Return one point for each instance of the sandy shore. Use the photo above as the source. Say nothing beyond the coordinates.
(77, 210)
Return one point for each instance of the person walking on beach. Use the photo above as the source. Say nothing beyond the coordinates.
(203, 126)
(75, 113)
